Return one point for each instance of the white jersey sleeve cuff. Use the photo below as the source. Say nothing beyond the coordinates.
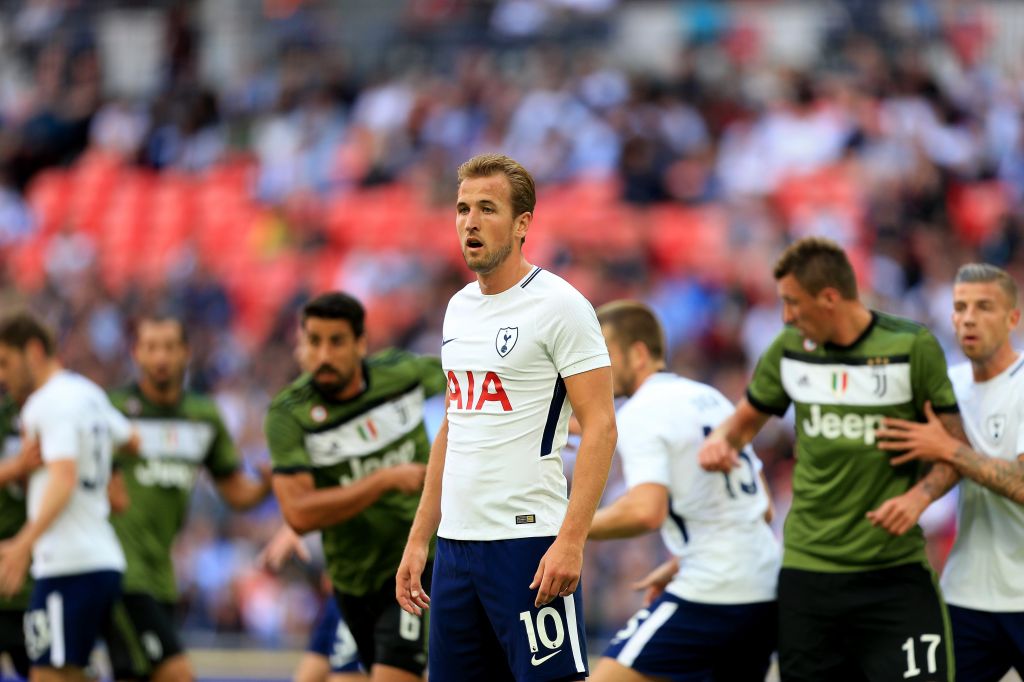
(581, 366)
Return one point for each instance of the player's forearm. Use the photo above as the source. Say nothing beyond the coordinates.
(60, 486)
(939, 480)
(242, 492)
(588, 480)
(317, 509)
(741, 426)
(621, 519)
(11, 470)
(1005, 477)
(428, 514)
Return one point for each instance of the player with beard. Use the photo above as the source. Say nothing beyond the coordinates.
(179, 432)
(349, 449)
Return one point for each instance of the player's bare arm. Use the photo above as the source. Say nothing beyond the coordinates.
(590, 394)
(900, 514)
(932, 442)
(408, 589)
(24, 463)
(16, 553)
(655, 582)
(305, 508)
(117, 493)
(720, 451)
(243, 492)
(640, 510)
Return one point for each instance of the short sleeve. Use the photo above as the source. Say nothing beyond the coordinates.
(930, 376)
(431, 375)
(120, 426)
(285, 438)
(1020, 431)
(644, 451)
(766, 392)
(58, 430)
(222, 457)
(575, 342)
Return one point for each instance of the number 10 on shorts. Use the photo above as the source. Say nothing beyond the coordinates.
(933, 642)
(541, 629)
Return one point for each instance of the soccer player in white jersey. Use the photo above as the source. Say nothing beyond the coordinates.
(516, 343)
(983, 581)
(76, 560)
(722, 600)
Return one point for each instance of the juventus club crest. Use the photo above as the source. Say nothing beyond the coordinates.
(996, 426)
(506, 340)
(881, 381)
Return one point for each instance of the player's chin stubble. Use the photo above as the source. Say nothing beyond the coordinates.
(489, 262)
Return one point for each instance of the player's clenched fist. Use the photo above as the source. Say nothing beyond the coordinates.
(717, 455)
(408, 588)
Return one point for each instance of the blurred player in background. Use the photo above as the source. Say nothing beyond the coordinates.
(723, 599)
(77, 561)
(349, 449)
(516, 343)
(857, 599)
(19, 459)
(179, 432)
(983, 579)
(332, 655)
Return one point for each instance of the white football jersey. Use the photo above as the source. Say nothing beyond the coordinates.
(727, 551)
(73, 419)
(506, 356)
(985, 569)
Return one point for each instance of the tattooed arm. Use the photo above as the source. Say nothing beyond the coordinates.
(1002, 476)
(934, 441)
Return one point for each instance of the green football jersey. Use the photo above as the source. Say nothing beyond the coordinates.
(841, 395)
(12, 497)
(340, 442)
(175, 441)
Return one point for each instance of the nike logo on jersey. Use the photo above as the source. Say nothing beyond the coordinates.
(447, 341)
(537, 661)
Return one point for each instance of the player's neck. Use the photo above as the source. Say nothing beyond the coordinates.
(353, 388)
(45, 372)
(161, 396)
(505, 276)
(644, 374)
(995, 364)
(852, 321)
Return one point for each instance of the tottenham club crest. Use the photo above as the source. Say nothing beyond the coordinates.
(996, 426)
(506, 340)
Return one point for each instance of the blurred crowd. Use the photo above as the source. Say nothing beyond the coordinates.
(903, 139)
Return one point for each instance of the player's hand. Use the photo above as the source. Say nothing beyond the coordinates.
(285, 544)
(406, 478)
(408, 589)
(900, 514)
(717, 455)
(558, 572)
(132, 446)
(15, 555)
(928, 441)
(657, 580)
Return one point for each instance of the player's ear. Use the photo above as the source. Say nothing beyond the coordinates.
(1014, 318)
(830, 296)
(522, 225)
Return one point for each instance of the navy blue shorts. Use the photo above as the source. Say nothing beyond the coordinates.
(66, 615)
(483, 624)
(986, 644)
(685, 641)
(332, 640)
